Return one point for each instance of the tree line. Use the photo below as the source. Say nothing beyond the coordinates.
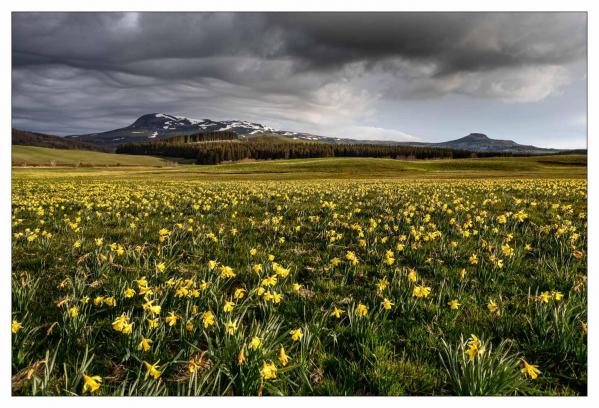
(215, 152)
(209, 136)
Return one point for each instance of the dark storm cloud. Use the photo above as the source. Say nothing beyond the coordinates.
(456, 41)
(80, 72)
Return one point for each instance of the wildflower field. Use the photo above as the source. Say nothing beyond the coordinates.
(337, 287)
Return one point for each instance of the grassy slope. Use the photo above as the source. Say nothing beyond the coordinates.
(43, 156)
(554, 166)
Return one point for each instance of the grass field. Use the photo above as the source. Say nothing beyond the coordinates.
(337, 168)
(304, 277)
(43, 156)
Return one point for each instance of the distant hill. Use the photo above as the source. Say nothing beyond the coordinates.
(478, 142)
(24, 138)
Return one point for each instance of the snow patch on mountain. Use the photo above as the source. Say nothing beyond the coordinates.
(158, 126)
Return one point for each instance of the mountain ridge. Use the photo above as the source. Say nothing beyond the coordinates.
(158, 126)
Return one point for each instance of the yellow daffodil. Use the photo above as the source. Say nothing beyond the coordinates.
(241, 359)
(153, 323)
(227, 272)
(127, 328)
(351, 256)
(421, 291)
(296, 334)
(412, 275)
(145, 344)
(230, 327)
(544, 297)
(475, 347)
(150, 307)
(255, 343)
(171, 319)
(453, 304)
(153, 370)
(492, 306)
(268, 371)
(15, 326)
(473, 259)
(120, 322)
(91, 383)
(361, 310)
(229, 306)
(337, 312)
(283, 358)
(239, 293)
(208, 319)
(530, 370)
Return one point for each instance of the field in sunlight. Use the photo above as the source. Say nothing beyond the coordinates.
(171, 286)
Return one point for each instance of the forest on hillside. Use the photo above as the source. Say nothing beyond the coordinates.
(215, 152)
(26, 138)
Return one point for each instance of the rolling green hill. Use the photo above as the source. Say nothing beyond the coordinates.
(25, 138)
(43, 156)
(304, 169)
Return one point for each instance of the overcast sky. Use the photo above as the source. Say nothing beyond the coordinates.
(399, 76)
